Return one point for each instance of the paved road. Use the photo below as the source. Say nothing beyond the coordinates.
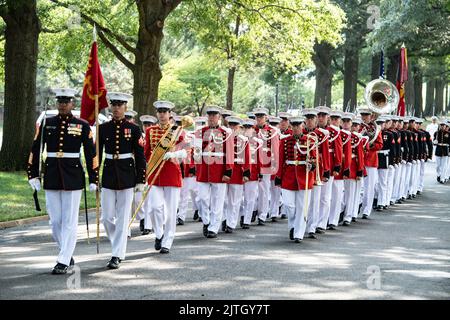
(402, 253)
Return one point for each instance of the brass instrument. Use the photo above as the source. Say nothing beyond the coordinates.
(167, 142)
(317, 143)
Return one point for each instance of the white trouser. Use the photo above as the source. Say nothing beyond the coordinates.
(263, 197)
(275, 195)
(143, 212)
(234, 200)
(407, 179)
(250, 197)
(351, 199)
(116, 212)
(390, 185)
(162, 205)
(63, 209)
(383, 187)
(413, 179)
(369, 189)
(441, 164)
(295, 208)
(336, 201)
(447, 167)
(325, 200)
(313, 209)
(421, 175)
(189, 189)
(397, 183)
(211, 199)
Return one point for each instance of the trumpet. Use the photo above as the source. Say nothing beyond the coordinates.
(313, 136)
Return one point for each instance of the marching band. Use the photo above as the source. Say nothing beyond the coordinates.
(321, 169)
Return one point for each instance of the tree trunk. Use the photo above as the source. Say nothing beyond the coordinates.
(351, 63)
(322, 60)
(409, 91)
(418, 83)
(147, 72)
(439, 97)
(376, 60)
(429, 98)
(21, 54)
(392, 69)
(230, 87)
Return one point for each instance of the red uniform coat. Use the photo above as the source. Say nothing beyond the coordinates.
(170, 174)
(357, 165)
(371, 152)
(211, 168)
(293, 176)
(345, 137)
(188, 164)
(271, 140)
(254, 166)
(335, 149)
(241, 165)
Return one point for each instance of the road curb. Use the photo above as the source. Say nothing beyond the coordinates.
(22, 222)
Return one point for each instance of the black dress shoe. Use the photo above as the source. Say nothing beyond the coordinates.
(331, 227)
(195, 215)
(346, 224)
(200, 219)
(297, 240)
(379, 208)
(353, 219)
(255, 213)
(341, 216)
(146, 232)
(261, 222)
(365, 217)
(158, 243)
(399, 201)
(72, 262)
(242, 221)
(224, 225)
(274, 219)
(409, 197)
(291, 234)
(403, 198)
(205, 229)
(164, 250)
(320, 231)
(414, 196)
(113, 263)
(283, 216)
(60, 269)
(392, 203)
(375, 203)
(438, 179)
(211, 234)
(385, 207)
(419, 193)
(180, 222)
(311, 235)
(245, 226)
(228, 230)
(359, 208)
(141, 225)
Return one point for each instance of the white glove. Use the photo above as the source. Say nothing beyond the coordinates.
(391, 166)
(396, 165)
(180, 154)
(140, 187)
(92, 187)
(35, 184)
(403, 161)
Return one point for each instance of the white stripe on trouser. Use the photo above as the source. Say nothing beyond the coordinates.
(189, 189)
(350, 199)
(211, 199)
(250, 197)
(382, 187)
(397, 183)
(162, 206)
(390, 185)
(313, 209)
(294, 202)
(325, 200)
(406, 179)
(369, 188)
(413, 179)
(116, 212)
(275, 195)
(263, 197)
(336, 201)
(143, 211)
(234, 200)
(421, 175)
(63, 208)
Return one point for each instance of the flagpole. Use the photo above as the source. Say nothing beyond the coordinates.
(97, 152)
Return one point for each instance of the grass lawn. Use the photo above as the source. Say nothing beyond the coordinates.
(16, 197)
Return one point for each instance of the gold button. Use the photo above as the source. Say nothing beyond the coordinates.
(117, 147)
(62, 132)
(64, 122)
(60, 144)
(118, 127)
(117, 137)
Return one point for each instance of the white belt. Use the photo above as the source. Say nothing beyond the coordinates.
(265, 149)
(295, 162)
(62, 155)
(385, 152)
(331, 150)
(443, 144)
(403, 149)
(238, 160)
(213, 154)
(353, 155)
(118, 156)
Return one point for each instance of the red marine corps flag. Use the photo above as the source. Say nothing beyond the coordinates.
(93, 85)
(402, 77)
